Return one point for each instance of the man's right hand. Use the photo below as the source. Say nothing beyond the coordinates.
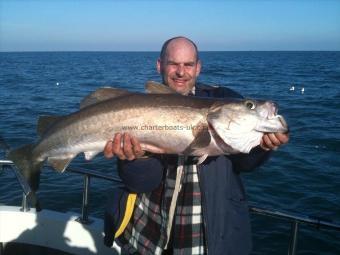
(124, 146)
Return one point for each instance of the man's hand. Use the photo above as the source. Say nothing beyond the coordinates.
(272, 141)
(124, 147)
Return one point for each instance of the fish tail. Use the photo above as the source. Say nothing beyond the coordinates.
(29, 168)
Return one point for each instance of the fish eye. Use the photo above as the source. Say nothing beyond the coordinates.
(250, 104)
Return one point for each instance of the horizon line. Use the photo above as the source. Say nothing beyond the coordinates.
(153, 51)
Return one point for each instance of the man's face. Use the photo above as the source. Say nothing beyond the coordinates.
(180, 67)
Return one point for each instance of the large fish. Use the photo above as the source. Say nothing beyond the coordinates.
(163, 122)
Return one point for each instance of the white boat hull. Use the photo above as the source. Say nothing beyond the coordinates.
(53, 229)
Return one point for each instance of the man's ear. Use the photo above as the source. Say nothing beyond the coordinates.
(198, 69)
(158, 65)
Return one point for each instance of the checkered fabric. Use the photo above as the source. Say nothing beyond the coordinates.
(146, 232)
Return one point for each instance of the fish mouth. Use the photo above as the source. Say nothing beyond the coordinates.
(283, 122)
(273, 124)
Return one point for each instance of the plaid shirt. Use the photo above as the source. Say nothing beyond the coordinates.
(146, 233)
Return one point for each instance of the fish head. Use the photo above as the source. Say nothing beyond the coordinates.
(269, 121)
(238, 125)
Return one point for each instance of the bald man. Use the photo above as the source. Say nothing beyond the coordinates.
(180, 207)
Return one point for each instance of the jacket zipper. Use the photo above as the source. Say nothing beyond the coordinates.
(203, 204)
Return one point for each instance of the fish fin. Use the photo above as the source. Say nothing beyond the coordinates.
(215, 110)
(152, 148)
(202, 138)
(90, 154)
(102, 94)
(201, 159)
(60, 164)
(152, 87)
(45, 122)
(28, 167)
(34, 200)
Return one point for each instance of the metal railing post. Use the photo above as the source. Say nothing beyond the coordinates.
(24, 203)
(84, 219)
(2, 249)
(293, 238)
(2, 170)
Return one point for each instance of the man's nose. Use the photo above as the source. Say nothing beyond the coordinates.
(180, 70)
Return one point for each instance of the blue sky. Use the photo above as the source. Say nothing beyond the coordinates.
(103, 25)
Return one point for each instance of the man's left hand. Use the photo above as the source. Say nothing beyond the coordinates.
(271, 141)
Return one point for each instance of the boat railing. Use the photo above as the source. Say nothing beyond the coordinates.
(295, 219)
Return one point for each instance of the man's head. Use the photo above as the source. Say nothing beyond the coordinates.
(179, 64)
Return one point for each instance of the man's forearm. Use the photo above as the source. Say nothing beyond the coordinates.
(141, 175)
(247, 162)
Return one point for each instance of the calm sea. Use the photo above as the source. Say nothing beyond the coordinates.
(302, 176)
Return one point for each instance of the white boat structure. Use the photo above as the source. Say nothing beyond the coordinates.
(55, 230)
(23, 229)
(51, 232)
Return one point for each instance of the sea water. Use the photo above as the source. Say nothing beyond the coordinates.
(301, 177)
